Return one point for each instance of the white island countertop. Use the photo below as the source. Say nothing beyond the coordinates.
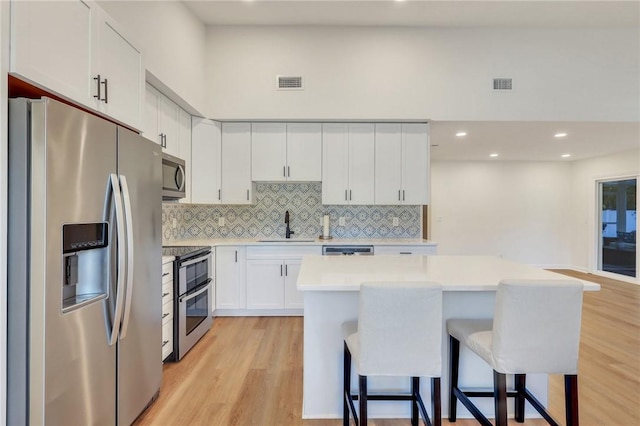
(455, 273)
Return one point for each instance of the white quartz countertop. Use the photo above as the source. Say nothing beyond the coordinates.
(298, 241)
(455, 273)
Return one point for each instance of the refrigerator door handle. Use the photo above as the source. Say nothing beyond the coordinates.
(117, 316)
(130, 260)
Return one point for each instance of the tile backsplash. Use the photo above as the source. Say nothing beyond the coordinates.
(265, 218)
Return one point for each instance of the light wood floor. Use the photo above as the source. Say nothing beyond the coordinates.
(248, 371)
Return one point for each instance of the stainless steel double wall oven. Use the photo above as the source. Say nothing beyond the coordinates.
(193, 287)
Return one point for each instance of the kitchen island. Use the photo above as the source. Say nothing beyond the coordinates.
(331, 286)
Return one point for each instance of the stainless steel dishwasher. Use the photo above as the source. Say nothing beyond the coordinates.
(354, 250)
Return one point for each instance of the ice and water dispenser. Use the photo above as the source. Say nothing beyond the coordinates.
(85, 252)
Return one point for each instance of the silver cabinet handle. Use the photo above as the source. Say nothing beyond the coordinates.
(350, 196)
(165, 294)
(164, 343)
(286, 271)
(236, 256)
(345, 195)
(106, 91)
(165, 315)
(403, 195)
(288, 171)
(219, 194)
(398, 195)
(280, 270)
(97, 79)
(165, 274)
(284, 171)
(247, 195)
(406, 252)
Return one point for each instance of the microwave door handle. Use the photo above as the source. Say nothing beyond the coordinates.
(119, 293)
(190, 296)
(130, 259)
(180, 178)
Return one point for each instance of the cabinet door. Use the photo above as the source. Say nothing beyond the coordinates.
(361, 163)
(121, 70)
(169, 125)
(184, 149)
(236, 163)
(51, 45)
(205, 161)
(335, 163)
(293, 298)
(265, 280)
(151, 128)
(230, 277)
(388, 164)
(268, 152)
(415, 164)
(304, 152)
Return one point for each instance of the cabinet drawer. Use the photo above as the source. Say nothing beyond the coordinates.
(167, 293)
(414, 250)
(167, 339)
(167, 312)
(167, 272)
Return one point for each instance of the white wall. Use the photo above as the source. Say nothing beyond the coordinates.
(417, 73)
(172, 41)
(517, 210)
(583, 209)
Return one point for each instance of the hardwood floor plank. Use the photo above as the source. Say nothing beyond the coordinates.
(248, 371)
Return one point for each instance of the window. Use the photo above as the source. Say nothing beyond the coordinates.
(617, 227)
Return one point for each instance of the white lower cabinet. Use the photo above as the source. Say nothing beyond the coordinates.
(419, 250)
(167, 309)
(272, 272)
(231, 284)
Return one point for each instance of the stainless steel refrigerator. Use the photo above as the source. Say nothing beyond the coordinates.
(84, 263)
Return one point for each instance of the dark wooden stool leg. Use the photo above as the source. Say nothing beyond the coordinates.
(415, 391)
(571, 399)
(454, 359)
(520, 382)
(500, 397)
(362, 400)
(436, 408)
(346, 385)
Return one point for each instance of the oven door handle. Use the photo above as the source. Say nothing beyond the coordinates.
(196, 260)
(190, 296)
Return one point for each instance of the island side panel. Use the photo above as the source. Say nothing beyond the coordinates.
(324, 313)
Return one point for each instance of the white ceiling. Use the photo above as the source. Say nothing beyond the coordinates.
(515, 141)
(432, 13)
(530, 141)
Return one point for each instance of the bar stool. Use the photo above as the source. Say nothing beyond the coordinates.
(398, 333)
(535, 329)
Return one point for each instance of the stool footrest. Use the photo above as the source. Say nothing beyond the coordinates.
(384, 397)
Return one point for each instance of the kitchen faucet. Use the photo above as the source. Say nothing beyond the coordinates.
(288, 231)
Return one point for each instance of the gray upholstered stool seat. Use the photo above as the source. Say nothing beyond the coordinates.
(535, 329)
(398, 333)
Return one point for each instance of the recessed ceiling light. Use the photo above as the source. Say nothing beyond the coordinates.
(566, 155)
(461, 134)
(493, 155)
(560, 135)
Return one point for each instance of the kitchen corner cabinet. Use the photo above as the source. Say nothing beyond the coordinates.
(167, 309)
(401, 163)
(231, 286)
(286, 152)
(78, 51)
(161, 123)
(348, 153)
(235, 171)
(206, 162)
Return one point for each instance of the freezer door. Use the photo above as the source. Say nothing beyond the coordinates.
(72, 365)
(140, 345)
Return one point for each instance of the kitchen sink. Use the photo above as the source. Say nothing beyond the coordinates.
(287, 240)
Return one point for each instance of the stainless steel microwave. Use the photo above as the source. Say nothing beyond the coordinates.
(173, 177)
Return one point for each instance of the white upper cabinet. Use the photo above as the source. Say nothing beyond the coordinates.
(162, 121)
(401, 163)
(236, 185)
(286, 152)
(75, 50)
(206, 145)
(269, 152)
(348, 163)
(184, 150)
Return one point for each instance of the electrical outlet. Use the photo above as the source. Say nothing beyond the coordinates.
(174, 223)
(341, 221)
(396, 221)
(221, 221)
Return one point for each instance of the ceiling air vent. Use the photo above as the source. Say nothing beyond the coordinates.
(289, 82)
(501, 84)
